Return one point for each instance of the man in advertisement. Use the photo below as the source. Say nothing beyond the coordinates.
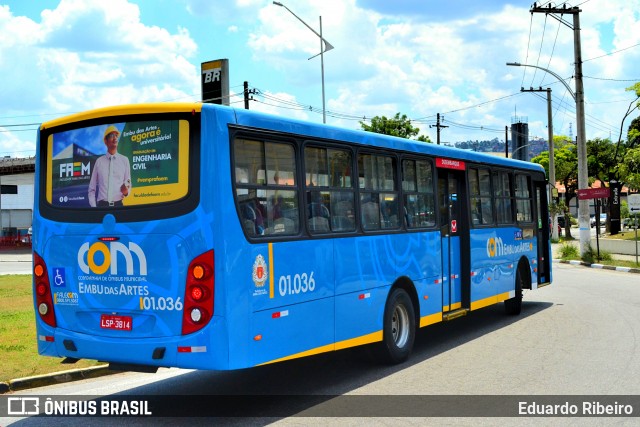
(111, 177)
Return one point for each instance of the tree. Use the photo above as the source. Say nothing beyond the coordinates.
(630, 168)
(633, 135)
(633, 139)
(601, 160)
(397, 126)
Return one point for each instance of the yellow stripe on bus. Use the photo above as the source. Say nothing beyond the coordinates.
(490, 301)
(365, 339)
(271, 268)
(353, 342)
(122, 110)
(430, 319)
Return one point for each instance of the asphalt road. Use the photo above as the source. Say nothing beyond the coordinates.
(579, 336)
(15, 261)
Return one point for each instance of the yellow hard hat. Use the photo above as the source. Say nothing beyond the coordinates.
(111, 129)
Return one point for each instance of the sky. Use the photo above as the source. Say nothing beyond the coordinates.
(415, 57)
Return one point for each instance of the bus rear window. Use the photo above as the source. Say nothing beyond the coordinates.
(118, 164)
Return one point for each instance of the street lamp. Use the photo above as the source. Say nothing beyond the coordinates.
(517, 64)
(518, 149)
(325, 46)
(583, 173)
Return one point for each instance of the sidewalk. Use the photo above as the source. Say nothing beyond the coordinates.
(555, 254)
(15, 254)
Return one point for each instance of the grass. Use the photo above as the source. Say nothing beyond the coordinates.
(625, 235)
(568, 252)
(18, 346)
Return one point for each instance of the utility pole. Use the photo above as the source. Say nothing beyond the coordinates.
(248, 95)
(506, 141)
(438, 126)
(583, 173)
(552, 167)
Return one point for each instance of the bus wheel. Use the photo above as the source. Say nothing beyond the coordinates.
(399, 329)
(513, 306)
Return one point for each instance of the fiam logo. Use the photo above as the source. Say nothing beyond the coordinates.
(495, 247)
(74, 169)
(109, 256)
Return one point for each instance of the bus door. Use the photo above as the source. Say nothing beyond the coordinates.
(453, 231)
(542, 234)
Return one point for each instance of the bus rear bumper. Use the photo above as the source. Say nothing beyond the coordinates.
(205, 349)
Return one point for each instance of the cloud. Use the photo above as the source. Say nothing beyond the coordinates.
(16, 144)
(409, 59)
(88, 54)
(412, 58)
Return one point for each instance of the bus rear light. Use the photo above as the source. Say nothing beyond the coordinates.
(196, 315)
(43, 309)
(44, 300)
(199, 293)
(41, 289)
(38, 270)
(198, 272)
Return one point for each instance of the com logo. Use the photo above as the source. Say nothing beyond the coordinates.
(491, 247)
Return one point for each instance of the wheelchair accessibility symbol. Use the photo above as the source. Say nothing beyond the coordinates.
(59, 277)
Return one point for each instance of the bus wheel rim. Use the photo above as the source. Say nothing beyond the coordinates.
(400, 326)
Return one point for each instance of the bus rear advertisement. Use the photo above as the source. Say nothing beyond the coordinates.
(201, 236)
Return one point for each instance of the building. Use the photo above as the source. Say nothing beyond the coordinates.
(16, 196)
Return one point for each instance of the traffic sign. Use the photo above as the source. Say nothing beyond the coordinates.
(593, 193)
(634, 202)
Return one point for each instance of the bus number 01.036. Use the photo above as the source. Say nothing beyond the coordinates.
(160, 303)
(301, 283)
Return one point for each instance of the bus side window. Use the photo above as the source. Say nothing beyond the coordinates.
(249, 220)
(317, 213)
(417, 186)
(524, 199)
(502, 197)
(369, 205)
(378, 192)
(343, 214)
(265, 173)
(329, 187)
(480, 195)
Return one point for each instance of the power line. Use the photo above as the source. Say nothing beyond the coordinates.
(19, 130)
(483, 103)
(544, 29)
(527, 56)
(553, 49)
(611, 53)
(613, 80)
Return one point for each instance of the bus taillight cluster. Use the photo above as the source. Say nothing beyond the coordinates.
(44, 300)
(198, 298)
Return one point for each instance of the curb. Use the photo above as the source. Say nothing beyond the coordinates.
(55, 378)
(600, 266)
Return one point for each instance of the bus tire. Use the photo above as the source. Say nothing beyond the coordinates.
(399, 327)
(513, 306)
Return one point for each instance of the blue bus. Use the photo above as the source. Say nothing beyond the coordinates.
(201, 236)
